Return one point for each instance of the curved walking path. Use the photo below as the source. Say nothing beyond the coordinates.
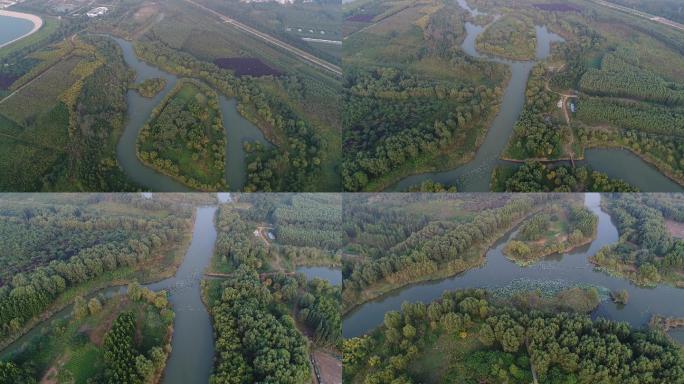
(37, 24)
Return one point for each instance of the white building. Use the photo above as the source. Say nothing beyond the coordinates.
(99, 11)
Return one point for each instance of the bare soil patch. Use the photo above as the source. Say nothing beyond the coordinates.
(146, 12)
(675, 228)
(329, 367)
(7, 80)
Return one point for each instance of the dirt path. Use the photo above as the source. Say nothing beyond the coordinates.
(327, 368)
(272, 40)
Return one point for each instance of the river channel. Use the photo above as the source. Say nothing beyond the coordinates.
(570, 268)
(192, 355)
(238, 130)
(475, 175)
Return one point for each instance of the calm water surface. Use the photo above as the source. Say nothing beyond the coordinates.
(12, 28)
(498, 272)
(238, 130)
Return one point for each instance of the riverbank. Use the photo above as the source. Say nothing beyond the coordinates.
(37, 24)
(442, 271)
(556, 238)
(116, 279)
(454, 156)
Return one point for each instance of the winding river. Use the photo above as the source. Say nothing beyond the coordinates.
(498, 272)
(238, 130)
(475, 175)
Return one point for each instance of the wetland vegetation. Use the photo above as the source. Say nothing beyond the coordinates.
(65, 107)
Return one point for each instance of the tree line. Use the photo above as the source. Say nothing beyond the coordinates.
(514, 345)
(86, 245)
(437, 246)
(255, 343)
(534, 176)
(392, 118)
(647, 253)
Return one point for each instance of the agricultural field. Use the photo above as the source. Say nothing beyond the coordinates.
(185, 138)
(290, 99)
(292, 23)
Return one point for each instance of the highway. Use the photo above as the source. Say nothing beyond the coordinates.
(311, 59)
(644, 15)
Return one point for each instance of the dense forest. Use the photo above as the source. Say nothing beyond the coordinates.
(619, 77)
(534, 176)
(290, 167)
(151, 87)
(393, 119)
(262, 311)
(537, 134)
(185, 137)
(439, 248)
(255, 341)
(647, 253)
(413, 100)
(306, 228)
(58, 246)
(487, 340)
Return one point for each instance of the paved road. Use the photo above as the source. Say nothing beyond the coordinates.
(272, 40)
(644, 15)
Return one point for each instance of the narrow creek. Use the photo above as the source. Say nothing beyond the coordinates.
(498, 272)
(237, 129)
(475, 175)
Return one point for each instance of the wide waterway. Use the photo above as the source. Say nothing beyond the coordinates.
(238, 130)
(498, 272)
(475, 176)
